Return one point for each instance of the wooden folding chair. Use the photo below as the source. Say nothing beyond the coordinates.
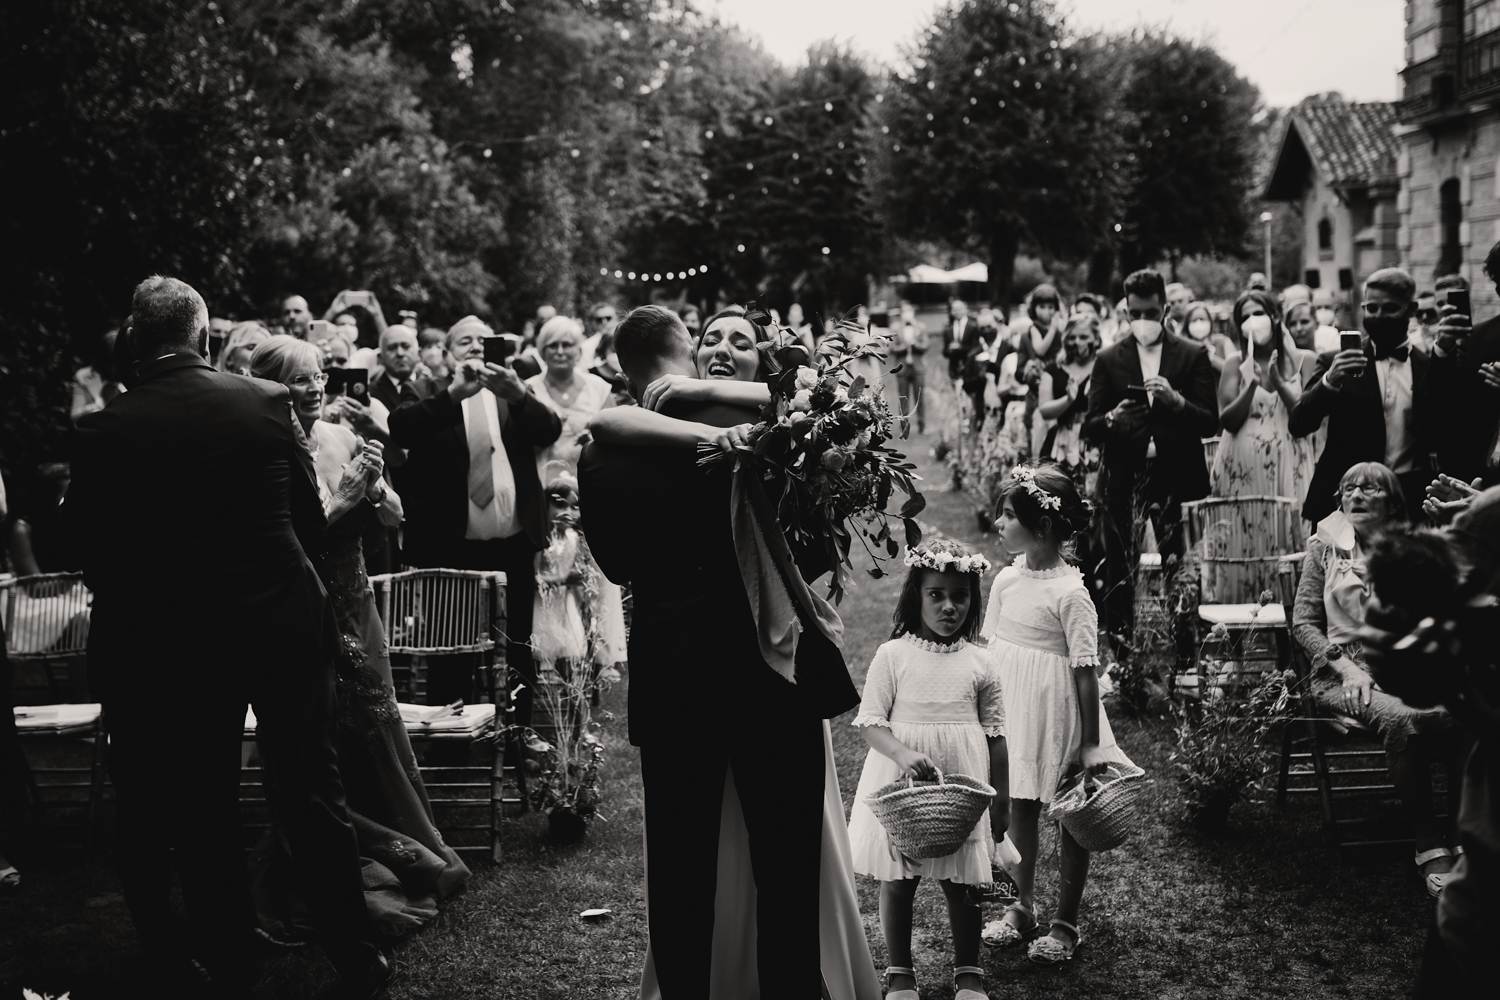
(1336, 759)
(1235, 545)
(46, 619)
(443, 612)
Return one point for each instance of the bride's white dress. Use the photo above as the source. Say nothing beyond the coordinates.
(848, 969)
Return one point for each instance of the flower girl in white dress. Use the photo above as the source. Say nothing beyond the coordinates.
(1043, 632)
(931, 702)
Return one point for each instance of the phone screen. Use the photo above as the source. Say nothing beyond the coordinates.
(1137, 394)
(1350, 340)
(356, 383)
(336, 381)
(498, 350)
(1458, 298)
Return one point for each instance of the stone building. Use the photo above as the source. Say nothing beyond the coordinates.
(1337, 160)
(1449, 128)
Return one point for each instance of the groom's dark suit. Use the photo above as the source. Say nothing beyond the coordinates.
(194, 503)
(703, 702)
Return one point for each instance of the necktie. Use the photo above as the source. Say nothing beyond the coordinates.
(407, 395)
(481, 455)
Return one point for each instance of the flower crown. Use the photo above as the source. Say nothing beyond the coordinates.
(945, 561)
(1025, 477)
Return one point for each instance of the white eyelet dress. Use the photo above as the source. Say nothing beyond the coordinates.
(1042, 626)
(942, 701)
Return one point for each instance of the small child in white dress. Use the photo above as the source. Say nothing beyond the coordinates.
(1043, 632)
(931, 702)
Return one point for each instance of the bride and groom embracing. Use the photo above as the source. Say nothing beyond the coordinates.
(749, 887)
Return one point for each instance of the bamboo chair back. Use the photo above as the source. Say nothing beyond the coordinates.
(1238, 543)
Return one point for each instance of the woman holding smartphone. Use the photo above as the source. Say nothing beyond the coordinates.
(1258, 386)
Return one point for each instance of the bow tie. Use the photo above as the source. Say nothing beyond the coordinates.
(1397, 353)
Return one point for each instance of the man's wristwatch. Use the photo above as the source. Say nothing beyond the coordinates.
(1333, 652)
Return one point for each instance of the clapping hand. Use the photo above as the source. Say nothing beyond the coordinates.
(1447, 497)
(373, 457)
(1489, 374)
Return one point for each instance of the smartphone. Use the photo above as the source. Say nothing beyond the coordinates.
(1458, 298)
(1351, 340)
(356, 383)
(336, 381)
(319, 329)
(1138, 394)
(498, 350)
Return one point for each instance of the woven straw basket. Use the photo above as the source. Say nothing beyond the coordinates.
(930, 819)
(1100, 811)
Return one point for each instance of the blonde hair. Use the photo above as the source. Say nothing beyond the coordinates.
(247, 334)
(276, 358)
(558, 326)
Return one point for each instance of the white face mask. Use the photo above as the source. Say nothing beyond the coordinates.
(1146, 331)
(1199, 329)
(1258, 329)
(1324, 316)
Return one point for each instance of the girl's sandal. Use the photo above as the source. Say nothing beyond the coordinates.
(1435, 880)
(1052, 950)
(965, 994)
(1004, 934)
(896, 970)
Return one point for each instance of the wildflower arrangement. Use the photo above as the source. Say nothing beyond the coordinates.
(822, 448)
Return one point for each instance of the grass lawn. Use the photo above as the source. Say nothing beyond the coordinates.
(1265, 911)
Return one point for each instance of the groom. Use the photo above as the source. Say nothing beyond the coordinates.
(703, 702)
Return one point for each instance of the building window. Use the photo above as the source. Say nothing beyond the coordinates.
(1423, 46)
(1325, 238)
(1481, 17)
(1450, 216)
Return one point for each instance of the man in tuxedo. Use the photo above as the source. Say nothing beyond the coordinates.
(1380, 401)
(962, 344)
(472, 494)
(396, 383)
(1152, 399)
(1468, 388)
(703, 701)
(186, 454)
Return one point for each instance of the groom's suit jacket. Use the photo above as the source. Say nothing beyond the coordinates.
(656, 521)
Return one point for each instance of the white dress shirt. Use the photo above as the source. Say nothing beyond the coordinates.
(1396, 398)
(1150, 368)
(498, 518)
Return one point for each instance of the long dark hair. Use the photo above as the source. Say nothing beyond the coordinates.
(908, 614)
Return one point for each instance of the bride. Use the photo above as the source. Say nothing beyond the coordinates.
(730, 359)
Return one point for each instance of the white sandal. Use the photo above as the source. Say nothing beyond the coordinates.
(966, 994)
(1435, 880)
(1050, 950)
(1002, 933)
(896, 970)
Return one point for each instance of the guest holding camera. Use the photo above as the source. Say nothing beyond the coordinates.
(1326, 622)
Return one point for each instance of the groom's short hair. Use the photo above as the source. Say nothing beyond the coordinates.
(648, 336)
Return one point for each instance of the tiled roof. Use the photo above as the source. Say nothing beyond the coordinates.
(1350, 145)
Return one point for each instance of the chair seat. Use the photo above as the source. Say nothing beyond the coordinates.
(1243, 615)
(57, 718)
(471, 719)
(1150, 560)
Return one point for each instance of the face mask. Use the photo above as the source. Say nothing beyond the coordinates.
(1324, 317)
(1199, 329)
(1258, 329)
(1387, 331)
(1146, 331)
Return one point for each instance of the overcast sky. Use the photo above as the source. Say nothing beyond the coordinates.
(1287, 48)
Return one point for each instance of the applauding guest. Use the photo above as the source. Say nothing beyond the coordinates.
(407, 866)
(473, 497)
(1151, 402)
(1377, 398)
(1258, 387)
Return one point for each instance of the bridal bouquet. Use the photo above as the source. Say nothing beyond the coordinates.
(822, 449)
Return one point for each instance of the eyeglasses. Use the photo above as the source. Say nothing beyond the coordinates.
(1362, 489)
(1151, 314)
(318, 379)
(603, 319)
(1386, 309)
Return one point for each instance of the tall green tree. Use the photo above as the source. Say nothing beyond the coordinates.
(996, 137)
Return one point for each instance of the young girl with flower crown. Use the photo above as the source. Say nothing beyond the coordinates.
(931, 703)
(1043, 632)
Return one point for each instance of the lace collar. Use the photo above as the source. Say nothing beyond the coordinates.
(934, 647)
(1060, 570)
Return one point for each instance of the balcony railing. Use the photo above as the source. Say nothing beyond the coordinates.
(1481, 67)
(1429, 88)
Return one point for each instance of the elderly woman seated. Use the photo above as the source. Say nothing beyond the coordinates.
(1329, 613)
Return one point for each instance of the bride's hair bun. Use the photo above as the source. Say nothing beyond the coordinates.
(1045, 491)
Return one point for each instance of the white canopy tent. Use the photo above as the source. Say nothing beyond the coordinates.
(926, 274)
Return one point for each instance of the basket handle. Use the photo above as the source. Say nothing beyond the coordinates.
(940, 778)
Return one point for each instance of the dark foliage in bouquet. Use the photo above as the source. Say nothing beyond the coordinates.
(822, 448)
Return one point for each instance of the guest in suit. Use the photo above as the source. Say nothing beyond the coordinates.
(1152, 401)
(187, 439)
(962, 345)
(1378, 401)
(1469, 395)
(397, 383)
(473, 497)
